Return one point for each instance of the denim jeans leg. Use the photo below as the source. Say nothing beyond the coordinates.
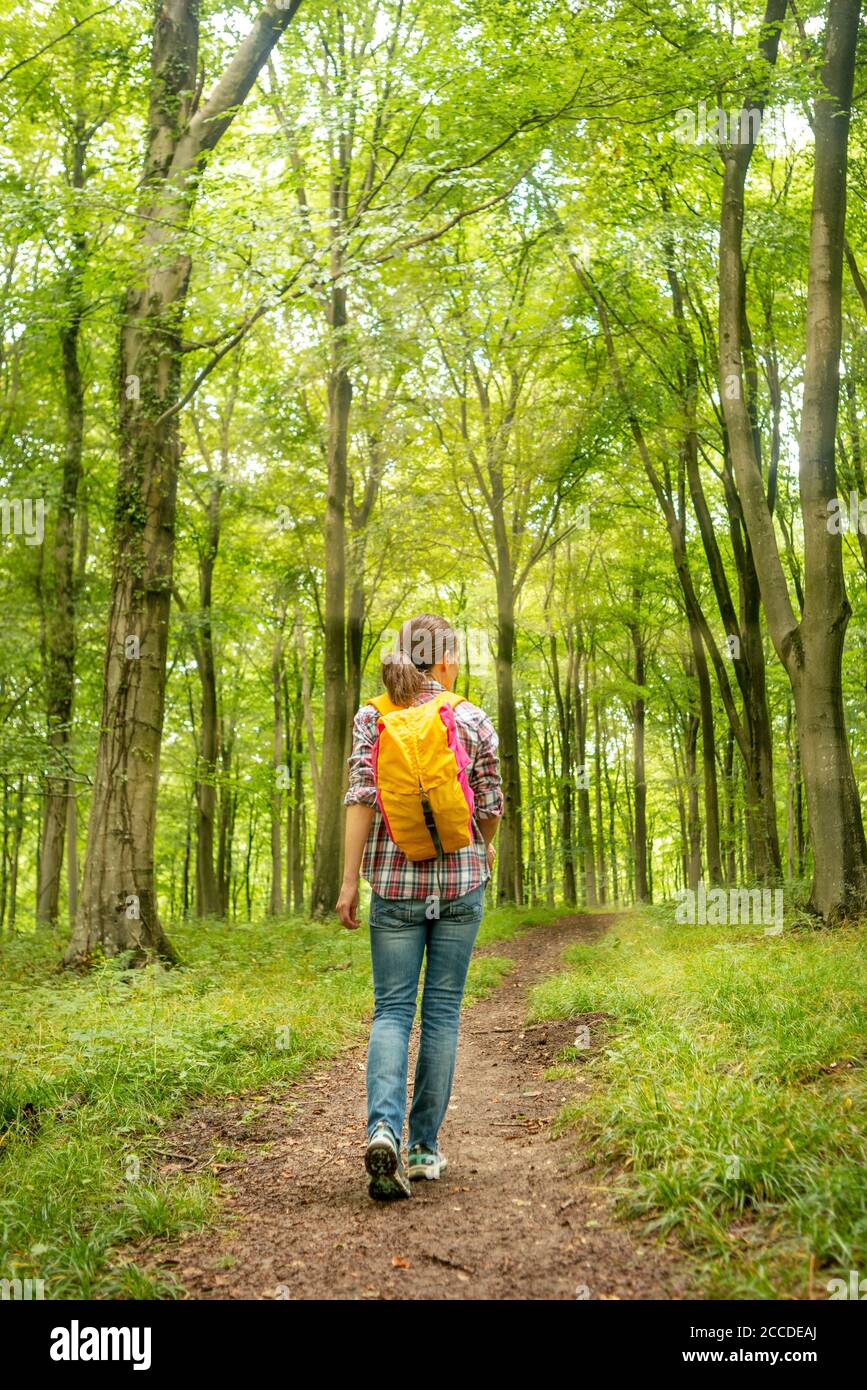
(450, 941)
(397, 951)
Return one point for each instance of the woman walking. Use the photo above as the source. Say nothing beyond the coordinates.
(423, 806)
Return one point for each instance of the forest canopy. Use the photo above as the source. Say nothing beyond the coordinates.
(546, 316)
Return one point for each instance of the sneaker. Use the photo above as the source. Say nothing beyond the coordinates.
(383, 1162)
(426, 1163)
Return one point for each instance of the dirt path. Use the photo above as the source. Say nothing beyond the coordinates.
(514, 1217)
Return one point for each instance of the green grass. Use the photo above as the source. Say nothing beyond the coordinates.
(732, 1104)
(93, 1068)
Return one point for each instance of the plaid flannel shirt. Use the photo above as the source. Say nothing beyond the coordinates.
(386, 868)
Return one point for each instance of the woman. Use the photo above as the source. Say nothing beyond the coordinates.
(417, 907)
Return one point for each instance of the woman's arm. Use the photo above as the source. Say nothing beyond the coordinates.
(487, 786)
(359, 801)
(358, 819)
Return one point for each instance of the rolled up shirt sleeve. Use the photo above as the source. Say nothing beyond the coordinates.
(362, 787)
(485, 773)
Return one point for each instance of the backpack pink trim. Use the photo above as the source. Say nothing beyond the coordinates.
(462, 758)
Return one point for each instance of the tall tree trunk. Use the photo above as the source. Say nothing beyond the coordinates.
(15, 858)
(207, 888)
(227, 808)
(4, 856)
(298, 819)
(600, 824)
(680, 779)
(60, 618)
(564, 799)
(811, 650)
(248, 879)
(510, 884)
(731, 798)
(329, 811)
(275, 905)
(692, 724)
(188, 851)
(612, 831)
(532, 857)
(72, 853)
(585, 824)
(118, 905)
(639, 776)
(313, 760)
(549, 838)
(708, 756)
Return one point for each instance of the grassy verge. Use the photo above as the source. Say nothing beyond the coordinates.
(734, 1105)
(92, 1069)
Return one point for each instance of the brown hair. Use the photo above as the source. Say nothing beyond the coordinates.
(423, 642)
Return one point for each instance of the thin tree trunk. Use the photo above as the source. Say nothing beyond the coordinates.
(549, 838)
(188, 850)
(275, 904)
(329, 818)
(72, 852)
(531, 809)
(60, 618)
(708, 755)
(564, 798)
(298, 817)
(612, 831)
(207, 889)
(642, 887)
(510, 883)
(17, 833)
(731, 798)
(585, 824)
(4, 857)
(308, 706)
(600, 825)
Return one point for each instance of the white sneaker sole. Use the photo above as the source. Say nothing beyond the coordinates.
(386, 1180)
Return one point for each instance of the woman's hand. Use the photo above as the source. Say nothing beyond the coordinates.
(492, 854)
(347, 906)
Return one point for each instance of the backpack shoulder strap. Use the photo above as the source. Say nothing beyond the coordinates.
(384, 704)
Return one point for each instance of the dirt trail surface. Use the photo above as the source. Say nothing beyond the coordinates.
(513, 1217)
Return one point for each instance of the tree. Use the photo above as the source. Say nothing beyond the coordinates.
(118, 906)
(810, 648)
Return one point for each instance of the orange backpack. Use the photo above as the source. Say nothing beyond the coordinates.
(418, 762)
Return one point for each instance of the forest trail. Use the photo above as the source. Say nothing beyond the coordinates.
(513, 1217)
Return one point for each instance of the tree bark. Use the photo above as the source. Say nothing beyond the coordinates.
(811, 650)
(275, 904)
(118, 903)
(60, 618)
(564, 798)
(600, 825)
(329, 811)
(207, 889)
(586, 856)
(15, 856)
(510, 882)
(642, 890)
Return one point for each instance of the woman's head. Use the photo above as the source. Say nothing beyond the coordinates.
(427, 646)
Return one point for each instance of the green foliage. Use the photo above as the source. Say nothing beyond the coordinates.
(93, 1071)
(730, 1105)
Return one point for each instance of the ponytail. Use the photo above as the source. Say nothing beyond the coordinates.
(401, 678)
(423, 643)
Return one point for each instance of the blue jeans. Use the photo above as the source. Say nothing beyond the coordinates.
(400, 933)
